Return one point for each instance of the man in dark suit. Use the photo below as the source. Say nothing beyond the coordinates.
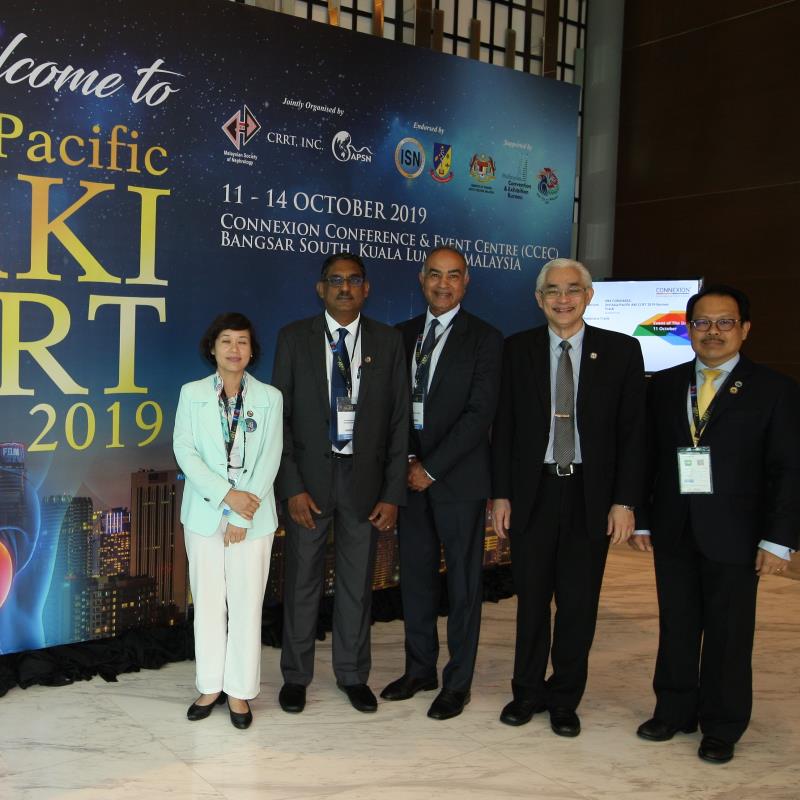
(567, 469)
(724, 456)
(345, 403)
(454, 362)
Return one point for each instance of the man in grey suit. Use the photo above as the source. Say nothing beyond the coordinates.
(345, 395)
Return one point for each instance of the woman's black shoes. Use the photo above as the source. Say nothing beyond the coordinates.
(197, 712)
(241, 721)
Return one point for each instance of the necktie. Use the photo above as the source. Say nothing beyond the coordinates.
(424, 363)
(707, 390)
(338, 387)
(564, 433)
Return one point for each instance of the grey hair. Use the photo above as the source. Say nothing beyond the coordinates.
(563, 263)
(446, 249)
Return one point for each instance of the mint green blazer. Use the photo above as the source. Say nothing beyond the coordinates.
(200, 453)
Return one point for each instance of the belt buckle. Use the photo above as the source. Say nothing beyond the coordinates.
(561, 474)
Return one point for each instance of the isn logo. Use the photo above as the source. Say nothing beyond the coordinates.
(481, 168)
(343, 149)
(241, 127)
(442, 171)
(548, 186)
(409, 157)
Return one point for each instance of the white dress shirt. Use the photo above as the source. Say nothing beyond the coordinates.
(353, 346)
(445, 321)
(575, 352)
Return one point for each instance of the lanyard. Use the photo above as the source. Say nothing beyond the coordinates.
(701, 422)
(229, 427)
(422, 361)
(346, 370)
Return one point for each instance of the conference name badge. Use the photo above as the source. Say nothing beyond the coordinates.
(418, 411)
(345, 417)
(694, 470)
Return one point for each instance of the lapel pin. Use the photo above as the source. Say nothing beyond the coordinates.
(738, 384)
(592, 355)
(250, 425)
(367, 359)
(249, 413)
(734, 390)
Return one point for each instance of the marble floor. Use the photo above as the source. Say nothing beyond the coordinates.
(131, 740)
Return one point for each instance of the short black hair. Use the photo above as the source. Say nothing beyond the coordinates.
(720, 290)
(331, 260)
(230, 320)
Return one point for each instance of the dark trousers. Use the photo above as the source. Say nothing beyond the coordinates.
(554, 556)
(707, 613)
(354, 545)
(424, 526)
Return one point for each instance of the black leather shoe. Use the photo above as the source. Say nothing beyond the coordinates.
(656, 730)
(715, 750)
(406, 687)
(292, 698)
(361, 697)
(448, 704)
(564, 722)
(197, 712)
(519, 712)
(238, 720)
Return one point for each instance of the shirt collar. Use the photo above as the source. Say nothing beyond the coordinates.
(727, 367)
(334, 326)
(576, 341)
(444, 319)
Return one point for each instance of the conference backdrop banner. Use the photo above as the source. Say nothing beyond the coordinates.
(162, 162)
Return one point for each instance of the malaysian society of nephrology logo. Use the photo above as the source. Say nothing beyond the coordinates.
(241, 127)
(442, 171)
(547, 186)
(343, 149)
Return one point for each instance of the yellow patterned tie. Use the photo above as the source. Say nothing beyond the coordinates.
(707, 390)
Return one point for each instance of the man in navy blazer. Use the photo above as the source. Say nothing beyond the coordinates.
(563, 505)
(717, 527)
(454, 363)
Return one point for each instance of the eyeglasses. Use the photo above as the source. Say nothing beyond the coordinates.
(722, 325)
(551, 292)
(340, 280)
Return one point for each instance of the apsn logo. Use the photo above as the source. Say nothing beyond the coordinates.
(481, 168)
(241, 127)
(343, 149)
(547, 186)
(442, 162)
(409, 157)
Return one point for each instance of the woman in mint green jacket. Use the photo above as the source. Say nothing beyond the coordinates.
(227, 441)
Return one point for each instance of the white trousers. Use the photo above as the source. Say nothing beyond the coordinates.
(228, 585)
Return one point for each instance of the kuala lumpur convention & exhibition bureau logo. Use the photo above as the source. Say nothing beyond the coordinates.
(344, 150)
(442, 171)
(547, 186)
(409, 157)
(241, 127)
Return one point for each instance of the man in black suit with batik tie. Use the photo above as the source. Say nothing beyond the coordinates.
(724, 465)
